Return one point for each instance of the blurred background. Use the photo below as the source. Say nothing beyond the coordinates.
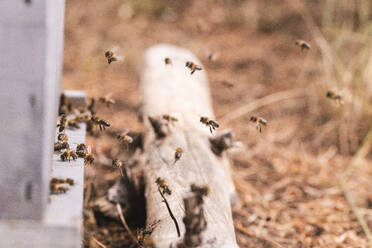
(305, 181)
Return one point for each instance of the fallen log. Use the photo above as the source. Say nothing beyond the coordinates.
(169, 88)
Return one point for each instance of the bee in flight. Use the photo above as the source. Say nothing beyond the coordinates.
(85, 152)
(303, 44)
(163, 185)
(125, 138)
(118, 164)
(209, 123)
(212, 57)
(90, 107)
(193, 67)
(68, 154)
(228, 84)
(168, 61)
(100, 122)
(259, 121)
(178, 154)
(169, 118)
(107, 100)
(335, 97)
(201, 190)
(111, 57)
(81, 150)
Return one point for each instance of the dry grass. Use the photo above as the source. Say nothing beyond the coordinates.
(288, 177)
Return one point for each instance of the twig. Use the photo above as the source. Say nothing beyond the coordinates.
(98, 243)
(246, 232)
(276, 97)
(170, 213)
(356, 212)
(362, 152)
(120, 211)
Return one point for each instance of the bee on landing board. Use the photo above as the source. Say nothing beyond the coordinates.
(335, 97)
(62, 137)
(61, 145)
(209, 123)
(68, 154)
(107, 100)
(259, 121)
(193, 67)
(303, 44)
(62, 123)
(62, 180)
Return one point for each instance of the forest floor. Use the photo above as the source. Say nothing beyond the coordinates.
(288, 176)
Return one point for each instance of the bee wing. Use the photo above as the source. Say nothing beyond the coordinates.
(114, 48)
(89, 149)
(119, 58)
(109, 95)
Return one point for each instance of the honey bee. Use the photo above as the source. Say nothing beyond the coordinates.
(100, 122)
(228, 84)
(259, 121)
(117, 163)
(88, 158)
(163, 185)
(81, 150)
(125, 138)
(168, 61)
(56, 189)
(73, 123)
(303, 44)
(64, 106)
(335, 97)
(178, 154)
(62, 137)
(66, 180)
(209, 123)
(201, 190)
(91, 106)
(111, 57)
(212, 57)
(107, 100)
(62, 123)
(169, 118)
(193, 67)
(60, 145)
(68, 154)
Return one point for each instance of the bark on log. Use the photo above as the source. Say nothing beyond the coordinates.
(172, 89)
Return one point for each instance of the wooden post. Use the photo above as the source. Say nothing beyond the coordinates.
(31, 48)
(171, 89)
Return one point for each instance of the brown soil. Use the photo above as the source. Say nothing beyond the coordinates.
(287, 177)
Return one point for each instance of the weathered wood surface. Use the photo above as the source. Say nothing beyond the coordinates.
(61, 224)
(170, 89)
(31, 47)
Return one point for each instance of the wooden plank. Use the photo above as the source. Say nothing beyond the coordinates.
(61, 225)
(171, 89)
(31, 38)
